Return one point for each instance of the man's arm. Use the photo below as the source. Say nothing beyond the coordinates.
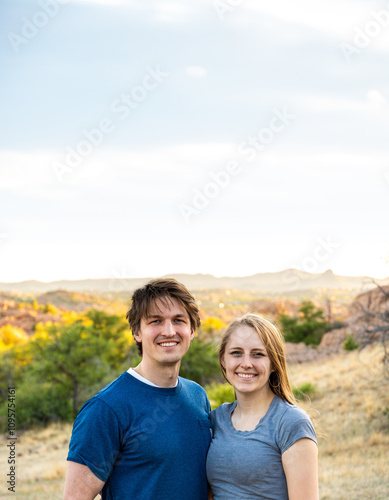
(81, 483)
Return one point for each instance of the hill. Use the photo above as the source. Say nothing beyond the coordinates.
(288, 281)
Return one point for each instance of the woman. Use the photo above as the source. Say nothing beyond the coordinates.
(263, 445)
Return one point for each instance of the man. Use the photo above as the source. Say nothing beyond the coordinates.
(146, 435)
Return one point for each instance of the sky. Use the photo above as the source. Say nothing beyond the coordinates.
(146, 138)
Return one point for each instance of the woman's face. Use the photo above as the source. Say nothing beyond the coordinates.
(246, 362)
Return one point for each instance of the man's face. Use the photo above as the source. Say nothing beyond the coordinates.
(166, 334)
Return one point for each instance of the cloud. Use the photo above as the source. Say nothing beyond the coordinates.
(328, 16)
(375, 98)
(196, 71)
(119, 3)
(331, 104)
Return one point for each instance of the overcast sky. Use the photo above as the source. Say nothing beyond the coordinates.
(143, 138)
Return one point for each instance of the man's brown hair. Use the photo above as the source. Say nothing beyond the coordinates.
(163, 289)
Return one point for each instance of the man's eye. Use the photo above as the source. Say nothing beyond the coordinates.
(235, 353)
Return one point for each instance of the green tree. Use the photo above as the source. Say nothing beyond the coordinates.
(201, 362)
(77, 356)
(308, 327)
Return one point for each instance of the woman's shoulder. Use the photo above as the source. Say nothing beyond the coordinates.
(291, 423)
(289, 412)
(222, 412)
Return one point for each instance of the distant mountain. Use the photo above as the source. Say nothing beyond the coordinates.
(290, 280)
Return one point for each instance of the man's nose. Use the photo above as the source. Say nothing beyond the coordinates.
(168, 329)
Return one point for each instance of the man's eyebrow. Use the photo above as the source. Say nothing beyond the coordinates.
(179, 315)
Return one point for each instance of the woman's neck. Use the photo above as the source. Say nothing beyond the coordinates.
(250, 404)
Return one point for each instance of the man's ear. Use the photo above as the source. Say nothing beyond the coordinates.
(137, 336)
(192, 334)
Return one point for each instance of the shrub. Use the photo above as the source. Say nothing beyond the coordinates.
(201, 362)
(50, 309)
(39, 404)
(350, 344)
(308, 327)
(304, 391)
(219, 394)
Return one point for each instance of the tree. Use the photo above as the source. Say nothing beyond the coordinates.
(309, 327)
(75, 356)
(201, 362)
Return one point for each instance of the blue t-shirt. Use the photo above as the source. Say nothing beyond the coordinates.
(145, 442)
(247, 464)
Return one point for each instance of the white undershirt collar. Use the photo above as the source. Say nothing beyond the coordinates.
(135, 374)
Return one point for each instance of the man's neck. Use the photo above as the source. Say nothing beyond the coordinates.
(163, 376)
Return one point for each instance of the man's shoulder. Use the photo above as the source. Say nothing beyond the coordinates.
(194, 391)
(118, 384)
(191, 385)
(113, 393)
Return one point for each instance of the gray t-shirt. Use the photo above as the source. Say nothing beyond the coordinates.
(247, 464)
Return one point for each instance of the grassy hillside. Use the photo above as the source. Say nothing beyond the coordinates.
(350, 409)
(351, 413)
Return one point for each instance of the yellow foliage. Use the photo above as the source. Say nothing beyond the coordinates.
(211, 324)
(12, 335)
(86, 321)
(50, 309)
(22, 356)
(129, 337)
(72, 316)
(41, 330)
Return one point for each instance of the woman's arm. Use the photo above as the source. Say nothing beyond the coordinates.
(301, 470)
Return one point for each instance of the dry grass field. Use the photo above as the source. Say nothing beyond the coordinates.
(348, 410)
(351, 414)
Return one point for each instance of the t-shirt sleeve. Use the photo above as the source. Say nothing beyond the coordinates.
(208, 405)
(96, 438)
(295, 425)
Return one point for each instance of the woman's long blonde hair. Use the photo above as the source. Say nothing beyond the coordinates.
(273, 341)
